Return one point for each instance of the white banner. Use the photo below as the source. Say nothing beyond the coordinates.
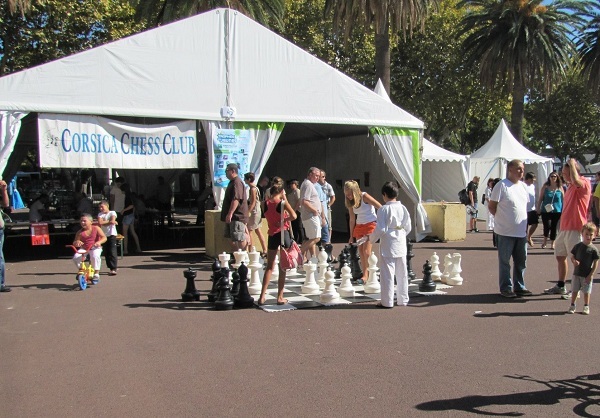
(68, 141)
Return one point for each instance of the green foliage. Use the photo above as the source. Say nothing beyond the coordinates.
(306, 27)
(156, 12)
(51, 29)
(430, 80)
(567, 120)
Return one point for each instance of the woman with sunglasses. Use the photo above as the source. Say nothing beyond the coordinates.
(549, 205)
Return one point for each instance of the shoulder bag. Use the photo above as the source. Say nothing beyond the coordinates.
(290, 257)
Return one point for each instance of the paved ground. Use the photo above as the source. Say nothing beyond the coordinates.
(130, 348)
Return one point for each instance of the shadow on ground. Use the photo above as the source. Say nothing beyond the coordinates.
(583, 389)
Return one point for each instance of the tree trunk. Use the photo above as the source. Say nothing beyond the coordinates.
(518, 109)
(382, 58)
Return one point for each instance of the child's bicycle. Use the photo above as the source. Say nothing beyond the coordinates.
(85, 275)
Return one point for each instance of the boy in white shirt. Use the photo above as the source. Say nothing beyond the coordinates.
(393, 225)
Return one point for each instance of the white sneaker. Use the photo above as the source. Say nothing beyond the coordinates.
(571, 309)
(586, 310)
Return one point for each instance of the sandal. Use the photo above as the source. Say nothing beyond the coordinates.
(263, 255)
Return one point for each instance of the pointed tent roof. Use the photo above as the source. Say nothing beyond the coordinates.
(192, 68)
(504, 145)
(433, 152)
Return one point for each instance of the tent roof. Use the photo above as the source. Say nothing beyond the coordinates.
(192, 68)
(504, 145)
(433, 152)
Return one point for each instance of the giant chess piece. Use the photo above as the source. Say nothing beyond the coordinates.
(436, 274)
(255, 267)
(355, 266)
(190, 293)
(346, 289)
(372, 285)
(409, 256)
(455, 279)
(243, 298)
(216, 276)
(447, 268)
(224, 259)
(240, 256)
(322, 257)
(427, 284)
(329, 250)
(310, 286)
(224, 301)
(329, 294)
(235, 282)
(342, 259)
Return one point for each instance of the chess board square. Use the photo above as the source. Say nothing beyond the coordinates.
(358, 298)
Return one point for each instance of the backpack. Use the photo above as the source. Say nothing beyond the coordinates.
(463, 197)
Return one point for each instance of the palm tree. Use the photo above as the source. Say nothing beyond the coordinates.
(22, 5)
(157, 12)
(588, 46)
(520, 44)
(381, 16)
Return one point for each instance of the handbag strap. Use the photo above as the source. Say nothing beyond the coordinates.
(282, 231)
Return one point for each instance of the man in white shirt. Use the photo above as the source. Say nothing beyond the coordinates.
(508, 204)
(312, 215)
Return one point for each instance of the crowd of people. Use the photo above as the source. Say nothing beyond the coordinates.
(303, 213)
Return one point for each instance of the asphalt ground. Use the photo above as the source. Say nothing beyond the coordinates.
(130, 348)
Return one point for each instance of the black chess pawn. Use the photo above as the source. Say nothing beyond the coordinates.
(354, 262)
(342, 259)
(329, 250)
(409, 256)
(427, 284)
(243, 298)
(224, 301)
(190, 293)
(235, 280)
(216, 276)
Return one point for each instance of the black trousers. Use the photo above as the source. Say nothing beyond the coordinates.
(550, 222)
(110, 252)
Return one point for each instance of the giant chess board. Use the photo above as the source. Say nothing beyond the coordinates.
(298, 300)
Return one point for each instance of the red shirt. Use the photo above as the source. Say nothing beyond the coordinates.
(575, 206)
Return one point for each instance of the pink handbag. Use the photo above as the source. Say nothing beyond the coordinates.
(289, 258)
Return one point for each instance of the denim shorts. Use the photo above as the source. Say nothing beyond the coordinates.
(129, 219)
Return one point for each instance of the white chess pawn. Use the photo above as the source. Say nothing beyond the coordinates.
(455, 279)
(275, 274)
(329, 294)
(255, 267)
(346, 289)
(436, 274)
(372, 285)
(310, 286)
(322, 257)
(447, 268)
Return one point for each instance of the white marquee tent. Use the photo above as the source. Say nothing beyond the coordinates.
(491, 159)
(221, 69)
(444, 173)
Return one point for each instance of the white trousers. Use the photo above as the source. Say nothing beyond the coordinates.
(390, 267)
(95, 254)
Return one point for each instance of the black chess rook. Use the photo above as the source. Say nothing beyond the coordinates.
(190, 293)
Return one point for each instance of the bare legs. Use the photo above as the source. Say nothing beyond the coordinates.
(365, 252)
(267, 278)
(126, 229)
(261, 239)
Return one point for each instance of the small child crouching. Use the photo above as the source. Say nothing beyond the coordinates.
(585, 257)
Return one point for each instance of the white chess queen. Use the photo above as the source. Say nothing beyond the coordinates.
(273, 216)
(393, 225)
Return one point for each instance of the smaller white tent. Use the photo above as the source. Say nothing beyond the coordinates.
(491, 159)
(444, 173)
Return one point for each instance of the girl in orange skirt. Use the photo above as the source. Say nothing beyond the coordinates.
(363, 219)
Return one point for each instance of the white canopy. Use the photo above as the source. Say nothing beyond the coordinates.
(491, 159)
(444, 173)
(192, 68)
